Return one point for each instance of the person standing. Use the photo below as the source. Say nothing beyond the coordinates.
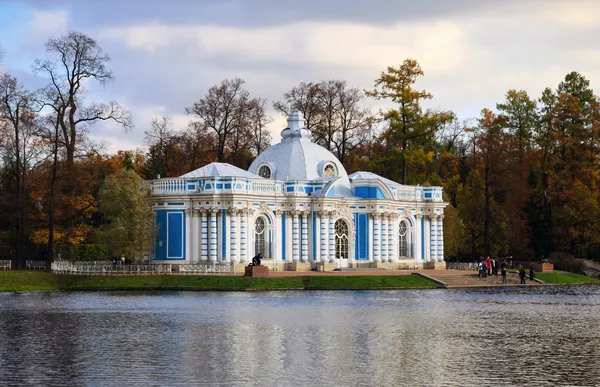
(489, 265)
(480, 267)
(504, 281)
(532, 271)
(522, 274)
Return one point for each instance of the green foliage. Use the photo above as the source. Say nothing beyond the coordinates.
(124, 205)
(89, 252)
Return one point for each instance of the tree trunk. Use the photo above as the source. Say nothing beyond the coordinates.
(51, 204)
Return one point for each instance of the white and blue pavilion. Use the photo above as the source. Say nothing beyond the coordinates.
(297, 206)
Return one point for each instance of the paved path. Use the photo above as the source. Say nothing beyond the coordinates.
(470, 279)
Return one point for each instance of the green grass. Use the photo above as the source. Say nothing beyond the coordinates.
(564, 277)
(369, 282)
(22, 281)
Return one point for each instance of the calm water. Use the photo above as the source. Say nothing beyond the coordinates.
(538, 336)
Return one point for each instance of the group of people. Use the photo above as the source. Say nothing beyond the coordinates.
(489, 266)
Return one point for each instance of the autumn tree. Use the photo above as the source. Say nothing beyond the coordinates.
(127, 218)
(22, 149)
(410, 133)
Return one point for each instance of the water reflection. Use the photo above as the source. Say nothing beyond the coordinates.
(541, 336)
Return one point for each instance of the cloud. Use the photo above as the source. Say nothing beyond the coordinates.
(46, 23)
(165, 56)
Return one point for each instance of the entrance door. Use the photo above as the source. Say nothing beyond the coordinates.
(341, 242)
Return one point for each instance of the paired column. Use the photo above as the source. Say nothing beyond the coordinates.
(233, 234)
(376, 237)
(384, 237)
(392, 238)
(213, 235)
(323, 215)
(244, 235)
(304, 237)
(332, 236)
(440, 235)
(203, 235)
(295, 236)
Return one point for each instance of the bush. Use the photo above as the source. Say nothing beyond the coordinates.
(566, 262)
(91, 252)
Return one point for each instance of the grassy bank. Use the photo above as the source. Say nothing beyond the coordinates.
(16, 281)
(565, 278)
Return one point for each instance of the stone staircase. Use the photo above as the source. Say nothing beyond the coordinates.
(471, 280)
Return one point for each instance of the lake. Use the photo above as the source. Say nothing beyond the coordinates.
(461, 337)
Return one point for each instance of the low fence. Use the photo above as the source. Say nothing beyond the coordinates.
(5, 264)
(87, 268)
(207, 269)
(107, 268)
(472, 266)
(36, 265)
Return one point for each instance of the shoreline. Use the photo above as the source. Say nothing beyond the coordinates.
(31, 281)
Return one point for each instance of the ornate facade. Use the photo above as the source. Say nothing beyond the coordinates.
(297, 206)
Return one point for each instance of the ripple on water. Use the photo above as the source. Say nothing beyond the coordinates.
(541, 336)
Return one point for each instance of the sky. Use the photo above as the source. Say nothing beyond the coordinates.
(165, 55)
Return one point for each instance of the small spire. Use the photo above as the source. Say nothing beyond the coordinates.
(295, 127)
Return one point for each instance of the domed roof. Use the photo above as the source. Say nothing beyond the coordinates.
(296, 157)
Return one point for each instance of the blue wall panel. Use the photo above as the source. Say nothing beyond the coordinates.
(175, 235)
(362, 236)
(369, 192)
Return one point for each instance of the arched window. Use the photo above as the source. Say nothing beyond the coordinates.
(341, 239)
(403, 240)
(260, 237)
(264, 171)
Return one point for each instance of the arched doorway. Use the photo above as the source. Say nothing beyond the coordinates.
(404, 240)
(341, 240)
(260, 236)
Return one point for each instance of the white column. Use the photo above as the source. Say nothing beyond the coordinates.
(418, 238)
(384, 237)
(213, 235)
(204, 235)
(244, 235)
(376, 237)
(441, 238)
(323, 236)
(332, 236)
(427, 238)
(188, 235)
(295, 236)
(304, 237)
(233, 248)
(277, 237)
(392, 250)
(197, 235)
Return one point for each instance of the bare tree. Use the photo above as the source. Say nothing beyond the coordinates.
(305, 99)
(355, 122)
(162, 140)
(220, 111)
(338, 121)
(258, 121)
(80, 59)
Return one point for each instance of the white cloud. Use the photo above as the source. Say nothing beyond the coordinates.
(45, 23)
